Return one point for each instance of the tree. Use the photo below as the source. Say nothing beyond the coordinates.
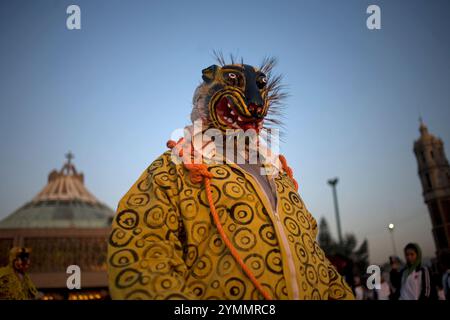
(359, 256)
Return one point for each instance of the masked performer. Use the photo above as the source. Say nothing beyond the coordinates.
(198, 228)
(14, 282)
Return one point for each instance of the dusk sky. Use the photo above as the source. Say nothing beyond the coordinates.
(114, 91)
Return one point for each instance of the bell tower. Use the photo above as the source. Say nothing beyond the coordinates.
(434, 174)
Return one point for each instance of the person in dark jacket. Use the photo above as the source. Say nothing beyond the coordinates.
(413, 282)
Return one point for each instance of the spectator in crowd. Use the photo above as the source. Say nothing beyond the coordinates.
(413, 282)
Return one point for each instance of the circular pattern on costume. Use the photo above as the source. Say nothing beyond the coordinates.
(234, 288)
(215, 193)
(200, 231)
(301, 270)
(123, 258)
(256, 263)
(233, 190)
(250, 189)
(337, 291)
(281, 289)
(127, 219)
(198, 288)
(216, 244)
(319, 252)
(162, 179)
(202, 268)
(161, 196)
(301, 253)
(267, 234)
(231, 227)
(165, 282)
(242, 213)
(172, 220)
(160, 267)
(144, 185)
(225, 265)
(138, 199)
(240, 179)
(280, 187)
(292, 226)
(219, 172)
(127, 278)
(188, 208)
(158, 163)
(215, 284)
(315, 295)
(332, 274)
(274, 261)
(140, 243)
(304, 222)
(154, 217)
(323, 273)
(288, 208)
(244, 239)
(190, 255)
(311, 275)
(295, 199)
(119, 238)
(308, 242)
(223, 213)
(157, 250)
(262, 213)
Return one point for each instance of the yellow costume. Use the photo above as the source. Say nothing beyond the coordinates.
(151, 258)
(210, 231)
(14, 286)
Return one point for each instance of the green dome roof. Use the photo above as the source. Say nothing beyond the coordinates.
(63, 203)
(59, 214)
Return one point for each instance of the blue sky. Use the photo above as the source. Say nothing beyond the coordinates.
(114, 91)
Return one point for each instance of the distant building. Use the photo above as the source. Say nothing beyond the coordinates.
(64, 225)
(434, 173)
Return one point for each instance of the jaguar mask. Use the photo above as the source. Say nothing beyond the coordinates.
(238, 96)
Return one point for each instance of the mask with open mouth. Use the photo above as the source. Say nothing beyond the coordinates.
(238, 96)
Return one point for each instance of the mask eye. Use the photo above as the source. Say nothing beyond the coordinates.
(232, 79)
(261, 81)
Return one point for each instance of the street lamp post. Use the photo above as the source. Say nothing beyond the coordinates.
(391, 227)
(333, 183)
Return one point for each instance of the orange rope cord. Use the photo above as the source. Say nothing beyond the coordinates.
(228, 243)
(288, 170)
(199, 173)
